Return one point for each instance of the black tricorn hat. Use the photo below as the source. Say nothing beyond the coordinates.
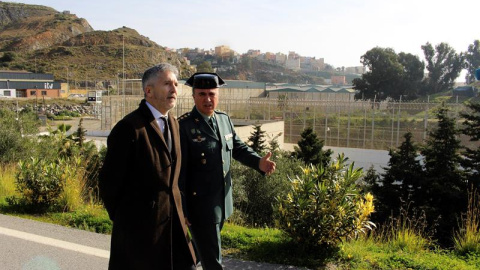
(204, 80)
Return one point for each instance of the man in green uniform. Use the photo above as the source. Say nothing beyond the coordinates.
(208, 143)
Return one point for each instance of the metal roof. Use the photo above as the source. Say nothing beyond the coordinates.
(25, 76)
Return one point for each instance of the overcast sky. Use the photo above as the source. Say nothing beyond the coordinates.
(340, 31)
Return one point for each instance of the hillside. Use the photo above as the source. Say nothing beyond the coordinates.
(41, 39)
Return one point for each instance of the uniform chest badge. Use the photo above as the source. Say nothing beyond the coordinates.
(199, 139)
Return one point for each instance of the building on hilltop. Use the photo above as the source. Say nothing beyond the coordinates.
(355, 70)
(338, 80)
(281, 58)
(223, 51)
(312, 64)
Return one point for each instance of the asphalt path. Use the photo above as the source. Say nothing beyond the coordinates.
(31, 245)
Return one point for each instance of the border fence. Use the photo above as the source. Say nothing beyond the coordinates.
(351, 124)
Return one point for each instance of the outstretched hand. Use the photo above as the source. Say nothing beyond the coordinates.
(266, 165)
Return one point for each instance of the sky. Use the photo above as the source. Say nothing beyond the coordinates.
(340, 31)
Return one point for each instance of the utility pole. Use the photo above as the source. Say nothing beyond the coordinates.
(123, 84)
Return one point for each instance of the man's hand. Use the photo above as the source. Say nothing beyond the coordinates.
(266, 165)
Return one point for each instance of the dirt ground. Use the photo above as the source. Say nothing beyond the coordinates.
(90, 124)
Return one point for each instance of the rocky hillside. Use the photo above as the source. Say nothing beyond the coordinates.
(13, 12)
(40, 39)
(27, 28)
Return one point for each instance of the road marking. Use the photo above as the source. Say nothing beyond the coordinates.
(56, 243)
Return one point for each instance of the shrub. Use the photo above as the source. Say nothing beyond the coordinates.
(324, 206)
(44, 184)
(40, 182)
(15, 135)
(254, 195)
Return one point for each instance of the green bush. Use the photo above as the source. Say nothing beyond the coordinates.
(324, 206)
(254, 195)
(40, 182)
(16, 135)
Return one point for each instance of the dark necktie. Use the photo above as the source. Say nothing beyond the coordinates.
(212, 124)
(166, 133)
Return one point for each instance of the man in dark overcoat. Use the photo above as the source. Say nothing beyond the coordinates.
(209, 142)
(139, 182)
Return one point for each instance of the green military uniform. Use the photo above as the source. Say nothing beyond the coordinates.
(206, 178)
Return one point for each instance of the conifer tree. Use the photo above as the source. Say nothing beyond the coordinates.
(471, 161)
(273, 145)
(310, 149)
(444, 188)
(401, 181)
(370, 182)
(257, 139)
(80, 134)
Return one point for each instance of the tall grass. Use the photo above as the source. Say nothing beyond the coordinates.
(467, 238)
(407, 232)
(7, 181)
(73, 193)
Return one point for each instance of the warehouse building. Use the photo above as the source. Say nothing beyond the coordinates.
(26, 84)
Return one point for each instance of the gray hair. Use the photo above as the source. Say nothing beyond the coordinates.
(152, 73)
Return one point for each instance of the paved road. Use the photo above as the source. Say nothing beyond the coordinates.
(31, 245)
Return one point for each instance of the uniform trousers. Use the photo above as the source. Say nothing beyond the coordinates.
(207, 243)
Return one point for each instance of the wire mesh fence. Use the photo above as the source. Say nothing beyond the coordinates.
(354, 124)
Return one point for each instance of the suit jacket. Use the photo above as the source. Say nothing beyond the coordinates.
(139, 187)
(205, 177)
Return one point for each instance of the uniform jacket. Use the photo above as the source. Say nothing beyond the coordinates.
(205, 178)
(139, 187)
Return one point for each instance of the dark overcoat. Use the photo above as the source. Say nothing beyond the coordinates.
(206, 178)
(139, 187)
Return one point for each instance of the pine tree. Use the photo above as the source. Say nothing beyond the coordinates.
(471, 162)
(257, 139)
(273, 145)
(370, 181)
(444, 188)
(400, 184)
(80, 134)
(310, 149)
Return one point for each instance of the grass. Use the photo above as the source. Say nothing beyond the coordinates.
(467, 239)
(401, 247)
(370, 254)
(7, 180)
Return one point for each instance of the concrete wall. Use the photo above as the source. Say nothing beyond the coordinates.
(271, 129)
(362, 158)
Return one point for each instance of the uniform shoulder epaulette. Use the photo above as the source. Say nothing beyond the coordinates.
(220, 112)
(184, 116)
